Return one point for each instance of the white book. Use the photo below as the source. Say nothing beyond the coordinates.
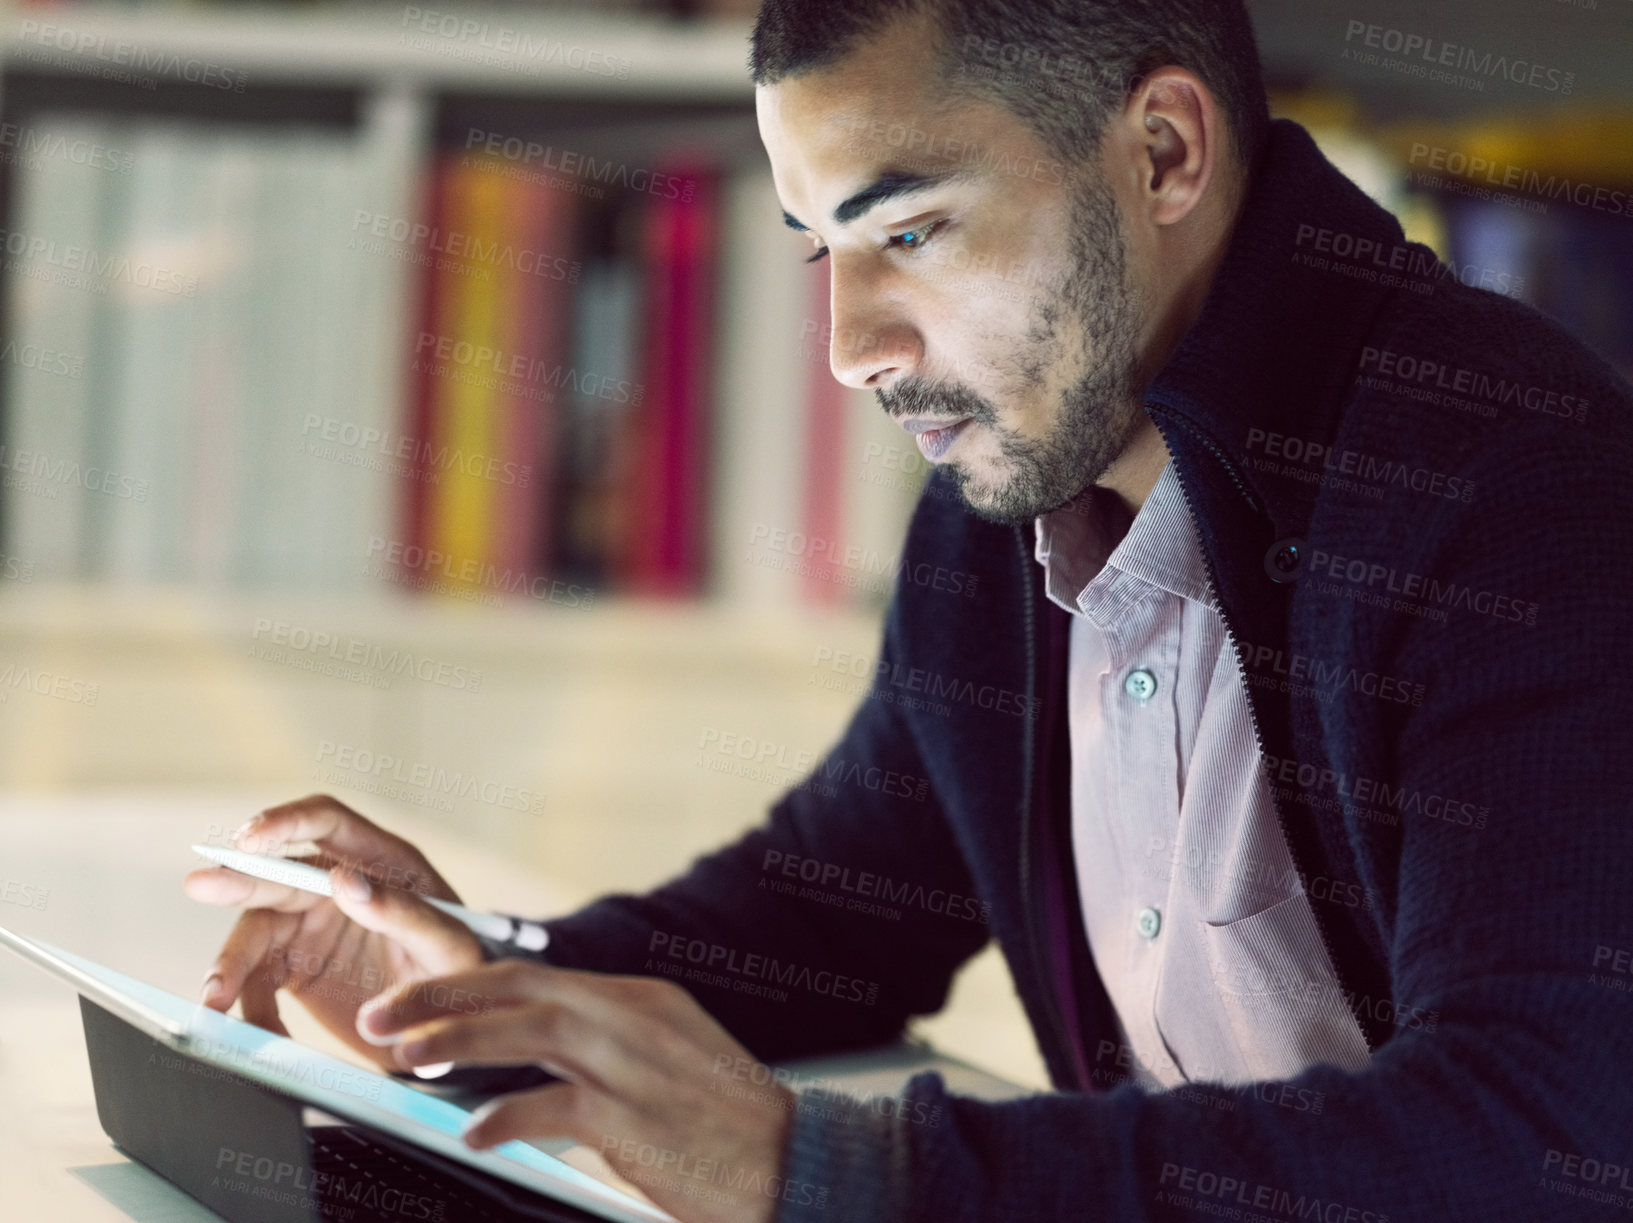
(768, 349)
(232, 313)
(219, 407)
(280, 332)
(48, 360)
(157, 247)
(283, 370)
(329, 491)
(387, 175)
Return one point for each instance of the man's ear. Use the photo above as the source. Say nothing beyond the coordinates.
(1175, 131)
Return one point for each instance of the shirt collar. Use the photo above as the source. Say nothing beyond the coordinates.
(1077, 542)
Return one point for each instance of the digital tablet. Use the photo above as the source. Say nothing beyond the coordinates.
(336, 1087)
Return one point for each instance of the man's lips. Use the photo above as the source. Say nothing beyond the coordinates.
(919, 424)
(935, 438)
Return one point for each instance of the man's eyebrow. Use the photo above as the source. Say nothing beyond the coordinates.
(888, 186)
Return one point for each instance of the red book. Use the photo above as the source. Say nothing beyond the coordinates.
(661, 541)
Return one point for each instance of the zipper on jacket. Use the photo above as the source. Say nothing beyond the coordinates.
(1064, 1040)
(1299, 864)
(1224, 460)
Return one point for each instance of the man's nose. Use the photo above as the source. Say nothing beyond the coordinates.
(873, 345)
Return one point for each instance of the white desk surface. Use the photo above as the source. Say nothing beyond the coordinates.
(110, 868)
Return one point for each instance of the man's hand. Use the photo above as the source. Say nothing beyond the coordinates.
(647, 1079)
(333, 955)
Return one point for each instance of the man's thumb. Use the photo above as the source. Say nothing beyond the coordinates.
(440, 943)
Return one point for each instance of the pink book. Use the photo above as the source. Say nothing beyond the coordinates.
(662, 549)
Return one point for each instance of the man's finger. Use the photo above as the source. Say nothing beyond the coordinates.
(259, 1000)
(439, 943)
(346, 836)
(252, 937)
(477, 990)
(548, 1034)
(559, 1110)
(218, 885)
(603, 998)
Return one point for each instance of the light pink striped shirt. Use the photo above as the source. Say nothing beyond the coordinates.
(1199, 927)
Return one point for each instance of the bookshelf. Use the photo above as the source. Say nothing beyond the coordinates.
(142, 649)
(495, 50)
(199, 647)
(399, 102)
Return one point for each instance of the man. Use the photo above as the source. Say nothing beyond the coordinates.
(1280, 742)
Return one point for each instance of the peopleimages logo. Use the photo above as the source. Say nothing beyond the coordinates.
(1410, 586)
(32, 143)
(1487, 389)
(347, 441)
(89, 45)
(1211, 1193)
(1509, 177)
(1375, 470)
(94, 267)
(485, 359)
(874, 886)
(1441, 54)
(878, 677)
(1406, 265)
(745, 968)
(511, 48)
(467, 251)
(1355, 790)
(342, 647)
(428, 565)
(439, 781)
(31, 463)
(851, 565)
(288, 1184)
(580, 165)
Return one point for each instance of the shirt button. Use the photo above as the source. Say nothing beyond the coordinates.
(1140, 685)
(1148, 923)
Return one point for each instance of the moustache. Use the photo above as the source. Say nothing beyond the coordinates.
(945, 400)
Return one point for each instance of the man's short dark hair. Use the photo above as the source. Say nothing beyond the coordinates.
(1063, 66)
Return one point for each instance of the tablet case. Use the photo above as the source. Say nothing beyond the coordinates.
(245, 1151)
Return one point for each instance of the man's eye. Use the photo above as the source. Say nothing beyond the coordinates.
(915, 238)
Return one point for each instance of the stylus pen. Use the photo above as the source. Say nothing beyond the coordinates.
(529, 936)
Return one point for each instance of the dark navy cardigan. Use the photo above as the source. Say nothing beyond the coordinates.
(1441, 678)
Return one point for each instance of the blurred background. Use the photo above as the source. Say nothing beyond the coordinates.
(429, 406)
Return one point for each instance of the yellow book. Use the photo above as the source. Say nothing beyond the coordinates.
(463, 522)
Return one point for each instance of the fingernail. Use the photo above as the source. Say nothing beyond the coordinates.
(379, 1017)
(210, 984)
(372, 1021)
(356, 886)
(409, 1050)
(247, 827)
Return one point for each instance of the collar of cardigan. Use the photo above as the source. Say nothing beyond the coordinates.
(1278, 345)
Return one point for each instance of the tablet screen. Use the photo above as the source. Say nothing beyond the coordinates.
(329, 1083)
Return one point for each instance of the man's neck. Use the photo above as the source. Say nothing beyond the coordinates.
(1134, 473)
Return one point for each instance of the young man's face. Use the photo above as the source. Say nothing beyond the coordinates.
(979, 284)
